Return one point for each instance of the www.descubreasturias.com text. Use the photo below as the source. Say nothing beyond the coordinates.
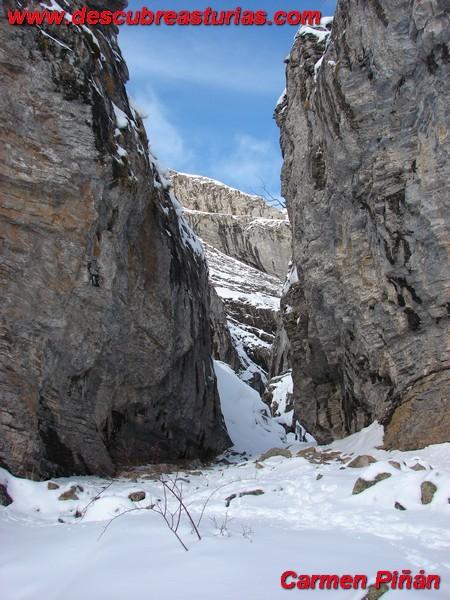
(55, 15)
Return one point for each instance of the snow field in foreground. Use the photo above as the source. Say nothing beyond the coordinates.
(304, 518)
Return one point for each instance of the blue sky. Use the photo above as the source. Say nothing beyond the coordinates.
(209, 92)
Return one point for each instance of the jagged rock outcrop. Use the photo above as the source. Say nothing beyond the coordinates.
(104, 354)
(364, 135)
(240, 225)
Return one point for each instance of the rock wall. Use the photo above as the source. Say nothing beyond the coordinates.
(239, 225)
(223, 347)
(364, 136)
(104, 354)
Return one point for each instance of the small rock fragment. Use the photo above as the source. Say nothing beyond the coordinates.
(5, 498)
(395, 464)
(228, 499)
(253, 493)
(361, 461)
(374, 593)
(399, 506)
(70, 494)
(362, 484)
(319, 476)
(136, 496)
(307, 452)
(276, 452)
(418, 467)
(328, 455)
(428, 490)
(241, 494)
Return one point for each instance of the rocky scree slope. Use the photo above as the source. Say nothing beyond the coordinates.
(364, 136)
(104, 357)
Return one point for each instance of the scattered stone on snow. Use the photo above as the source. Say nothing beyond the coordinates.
(257, 492)
(362, 484)
(428, 490)
(5, 498)
(276, 452)
(136, 496)
(70, 494)
(361, 461)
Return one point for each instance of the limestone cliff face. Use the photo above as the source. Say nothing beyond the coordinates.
(247, 245)
(364, 135)
(239, 225)
(104, 356)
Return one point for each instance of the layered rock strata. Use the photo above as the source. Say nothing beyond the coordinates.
(364, 136)
(105, 359)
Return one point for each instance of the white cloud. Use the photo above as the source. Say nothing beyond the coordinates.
(166, 142)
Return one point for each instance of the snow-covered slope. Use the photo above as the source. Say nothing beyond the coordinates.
(249, 423)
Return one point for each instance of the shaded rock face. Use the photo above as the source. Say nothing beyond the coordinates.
(364, 135)
(104, 356)
(239, 225)
(223, 347)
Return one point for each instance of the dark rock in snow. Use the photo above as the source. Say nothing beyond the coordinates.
(362, 484)
(418, 467)
(241, 494)
(70, 494)
(308, 453)
(136, 496)
(284, 452)
(395, 464)
(374, 593)
(428, 490)
(361, 461)
(5, 498)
